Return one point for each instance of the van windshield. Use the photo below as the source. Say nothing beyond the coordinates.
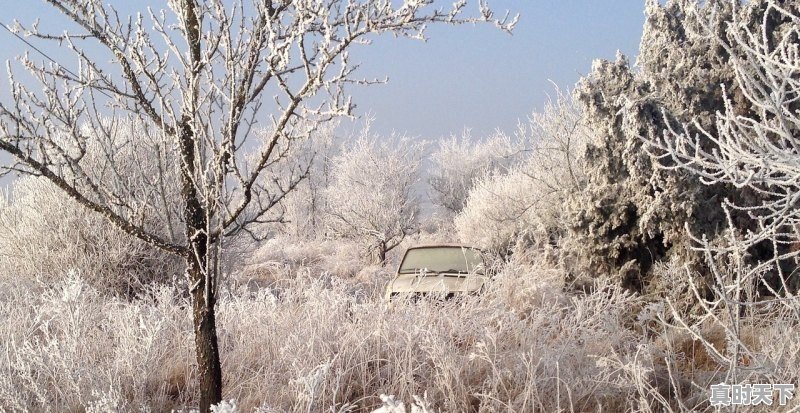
(461, 260)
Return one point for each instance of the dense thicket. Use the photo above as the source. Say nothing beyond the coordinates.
(635, 212)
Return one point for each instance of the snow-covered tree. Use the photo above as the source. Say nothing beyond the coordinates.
(371, 195)
(303, 208)
(632, 213)
(202, 75)
(756, 150)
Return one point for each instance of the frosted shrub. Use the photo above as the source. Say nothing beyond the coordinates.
(276, 263)
(46, 233)
(69, 348)
(341, 257)
(749, 144)
(526, 203)
(226, 406)
(390, 405)
(634, 209)
(728, 339)
(500, 210)
(752, 150)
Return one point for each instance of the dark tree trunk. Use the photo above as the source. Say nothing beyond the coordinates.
(202, 278)
(382, 253)
(205, 332)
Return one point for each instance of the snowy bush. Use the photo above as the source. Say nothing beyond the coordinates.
(750, 145)
(68, 347)
(525, 204)
(226, 406)
(500, 210)
(284, 258)
(756, 150)
(46, 233)
(390, 405)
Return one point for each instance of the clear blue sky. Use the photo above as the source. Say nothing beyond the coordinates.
(483, 79)
(463, 77)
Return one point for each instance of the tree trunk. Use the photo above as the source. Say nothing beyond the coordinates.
(382, 253)
(201, 275)
(205, 332)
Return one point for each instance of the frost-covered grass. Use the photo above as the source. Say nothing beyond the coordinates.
(324, 343)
